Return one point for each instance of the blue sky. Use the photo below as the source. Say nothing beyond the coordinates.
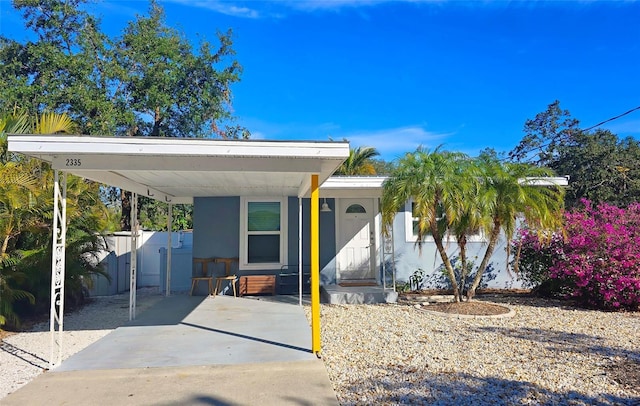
(395, 75)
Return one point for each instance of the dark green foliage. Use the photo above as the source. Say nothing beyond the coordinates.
(149, 81)
(544, 135)
(154, 217)
(10, 278)
(26, 210)
(601, 166)
(382, 167)
(86, 216)
(532, 260)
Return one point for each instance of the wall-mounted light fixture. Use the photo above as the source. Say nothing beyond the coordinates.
(325, 207)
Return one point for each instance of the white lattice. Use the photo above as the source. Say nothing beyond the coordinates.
(56, 318)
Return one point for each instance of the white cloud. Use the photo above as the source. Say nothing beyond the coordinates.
(290, 131)
(394, 142)
(330, 4)
(222, 7)
(391, 142)
(313, 5)
(261, 9)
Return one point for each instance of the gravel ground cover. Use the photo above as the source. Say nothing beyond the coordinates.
(25, 355)
(546, 354)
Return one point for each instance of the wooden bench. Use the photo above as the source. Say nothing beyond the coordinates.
(257, 284)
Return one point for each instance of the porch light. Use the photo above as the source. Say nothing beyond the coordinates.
(325, 207)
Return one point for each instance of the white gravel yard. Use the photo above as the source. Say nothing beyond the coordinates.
(545, 354)
(395, 354)
(25, 355)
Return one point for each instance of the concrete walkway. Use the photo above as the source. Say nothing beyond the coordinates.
(192, 350)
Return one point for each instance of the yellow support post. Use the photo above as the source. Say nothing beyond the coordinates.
(315, 266)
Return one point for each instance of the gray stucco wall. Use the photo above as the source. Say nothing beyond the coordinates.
(327, 239)
(216, 233)
(216, 230)
(408, 259)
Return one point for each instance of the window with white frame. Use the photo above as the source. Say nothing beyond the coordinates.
(263, 233)
(411, 227)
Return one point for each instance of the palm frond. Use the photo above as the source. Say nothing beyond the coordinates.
(54, 123)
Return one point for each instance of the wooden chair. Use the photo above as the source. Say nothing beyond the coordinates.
(227, 275)
(205, 277)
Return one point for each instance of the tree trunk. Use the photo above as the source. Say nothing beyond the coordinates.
(125, 216)
(448, 267)
(462, 243)
(5, 244)
(493, 239)
(157, 120)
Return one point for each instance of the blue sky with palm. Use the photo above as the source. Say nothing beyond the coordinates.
(395, 75)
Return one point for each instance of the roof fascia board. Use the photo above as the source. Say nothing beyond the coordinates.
(56, 144)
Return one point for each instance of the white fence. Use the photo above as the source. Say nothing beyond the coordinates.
(151, 259)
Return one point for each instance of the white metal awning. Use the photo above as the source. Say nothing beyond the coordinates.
(178, 169)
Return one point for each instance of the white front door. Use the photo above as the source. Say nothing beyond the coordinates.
(355, 240)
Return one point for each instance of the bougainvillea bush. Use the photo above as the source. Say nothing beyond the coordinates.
(601, 256)
(597, 261)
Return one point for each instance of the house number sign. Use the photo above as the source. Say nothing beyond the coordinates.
(73, 162)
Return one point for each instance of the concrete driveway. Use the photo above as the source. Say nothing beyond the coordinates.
(193, 350)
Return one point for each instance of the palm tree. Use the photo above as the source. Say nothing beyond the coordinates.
(455, 194)
(440, 183)
(506, 196)
(18, 193)
(470, 222)
(23, 202)
(20, 189)
(359, 162)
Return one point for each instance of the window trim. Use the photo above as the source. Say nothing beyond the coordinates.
(411, 237)
(244, 234)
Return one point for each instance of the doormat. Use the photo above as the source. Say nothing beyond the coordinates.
(355, 284)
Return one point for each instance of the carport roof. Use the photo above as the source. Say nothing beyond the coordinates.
(178, 169)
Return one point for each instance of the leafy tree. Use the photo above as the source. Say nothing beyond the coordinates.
(602, 167)
(69, 67)
(382, 167)
(544, 135)
(184, 92)
(359, 162)
(150, 81)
